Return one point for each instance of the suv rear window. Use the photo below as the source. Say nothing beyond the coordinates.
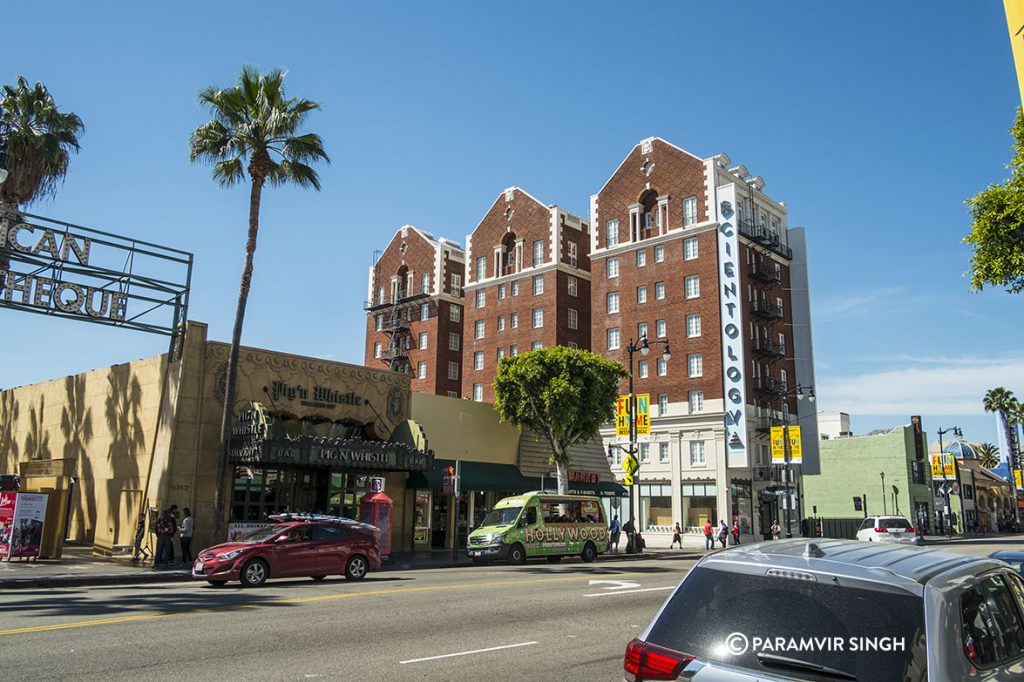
(894, 523)
(745, 620)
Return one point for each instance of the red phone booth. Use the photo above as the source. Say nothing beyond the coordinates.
(375, 509)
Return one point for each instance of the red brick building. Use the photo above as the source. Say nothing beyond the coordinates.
(415, 310)
(693, 252)
(527, 285)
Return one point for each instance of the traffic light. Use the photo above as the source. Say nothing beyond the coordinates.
(449, 471)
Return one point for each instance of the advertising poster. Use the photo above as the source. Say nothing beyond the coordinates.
(796, 450)
(622, 418)
(27, 528)
(240, 530)
(643, 417)
(7, 503)
(778, 445)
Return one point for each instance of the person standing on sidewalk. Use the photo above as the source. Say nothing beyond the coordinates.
(630, 530)
(677, 536)
(723, 532)
(776, 530)
(186, 537)
(709, 536)
(166, 528)
(735, 532)
(613, 533)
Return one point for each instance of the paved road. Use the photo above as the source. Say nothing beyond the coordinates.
(532, 622)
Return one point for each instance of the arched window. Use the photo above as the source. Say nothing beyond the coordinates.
(509, 255)
(649, 215)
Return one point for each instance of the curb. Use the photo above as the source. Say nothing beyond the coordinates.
(86, 581)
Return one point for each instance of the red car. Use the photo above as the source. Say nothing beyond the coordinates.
(293, 549)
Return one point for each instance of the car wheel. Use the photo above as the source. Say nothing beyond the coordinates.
(589, 552)
(554, 559)
(218, 583)
(254, 573)
(356, 567)
(517, 555)
(318, 577)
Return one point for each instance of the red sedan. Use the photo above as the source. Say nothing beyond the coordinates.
(289, 550)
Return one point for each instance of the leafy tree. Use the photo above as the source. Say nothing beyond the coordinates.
(1002, 402)
(254, 131)
(997, 229)
(561, 393)
(988, 455)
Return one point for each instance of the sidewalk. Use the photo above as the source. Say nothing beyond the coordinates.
(79, 568)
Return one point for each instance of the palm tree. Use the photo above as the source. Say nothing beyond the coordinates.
(253, 130)
(1001, 401)
(988, 455)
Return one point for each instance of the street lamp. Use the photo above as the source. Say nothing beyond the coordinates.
(945, 481)
(800, 392)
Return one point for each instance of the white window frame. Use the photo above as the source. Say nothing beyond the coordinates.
(574, 257)
(501, 291)
(659, 253)
(538, 285)
(478, 360)
(480, 299)
(641, 294)
(641, 369)
(613, 337)
(481, 268)
(573, 318)
(612, 302)
(424, 312)
(379, 322)
(660, 329)
(663, 452)
(695, 365)
(421, 370)
(515, 288)
(536, 345)
(662, 404)
(513, 350)
(424, 336)
(479, 327)
(573, 285)
(691, 249)
(454, 341)
(693, 326)
(611, 267)
(641, 257)
(501, 323)
(695, 400)
(378, 349)
(478, 392)
(538, 258)
(692, 284)
(455, 313)
(645, 453)
(453, 370)
(513, 320)
(698, 454)
(659, 291)
(662, 367)
(641, 330)
(537, 318)
(611, 233)
(689, 211)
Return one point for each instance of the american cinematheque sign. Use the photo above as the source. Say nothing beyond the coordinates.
(64, 270)
(255, 440)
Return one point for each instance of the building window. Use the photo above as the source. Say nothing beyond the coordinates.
(424, 312)
(537, 345)
(380, 295)
(513, 350)
(481, 267)
(641, 294)
(513, 320)
(379, 320)
(377, 350)
(641, 369)
(455, 313)
(662, 404)
(515, 288)
(479, 329)
(574, 320)
(613, 338)
(501, 291)
(662, 367)
(613, 302)
(689, 211)
(697, 456)
(457, 286)
(538, 252)
(421, 370)
(696, 401)
(783, 377)
(574, 345)
(574, 259)
(423, 340)
(641, 258)
(645, 452)
(453, 370)
(501, 323)
(659, 254)
(453, 394)
(693, 286)
(641, 330)
(478, 392)
(453, 341)
(573, 286)
(659, 329)
(611, 233)
(659, 290)
(425, 284)
(538, 318)
(501, 352)
(480, 298)
(478, 360)
(782, 343)
(695, 365)
(611, 267)
(662, 452)
(693, 326)
(690, 248)
(538, 285)
(778, 306)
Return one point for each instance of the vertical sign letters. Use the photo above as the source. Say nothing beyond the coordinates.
(732, 339)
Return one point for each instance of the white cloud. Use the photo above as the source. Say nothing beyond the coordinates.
(937, 386)
(846, 306)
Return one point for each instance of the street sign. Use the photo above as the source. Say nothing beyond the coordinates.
(628, 480)
(630, 465)
(796, 452)
(1017, 478)
(778, 445)
(622, 418)
(643, 417)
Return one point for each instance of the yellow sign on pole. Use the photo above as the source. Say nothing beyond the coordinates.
(1018, 478)
(630, 465)
(796, 451)
(628, 480)
(622, 418)
(936, 466)
(643, 417)
(778, 445)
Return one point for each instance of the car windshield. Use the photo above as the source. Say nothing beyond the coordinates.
(894, 523)
(789, 627)
(501, 517)
(261, 534)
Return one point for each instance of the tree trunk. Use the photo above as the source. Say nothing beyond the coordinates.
(563, 477)
(232, 371)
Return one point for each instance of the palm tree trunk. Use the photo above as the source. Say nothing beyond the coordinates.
(220, 491)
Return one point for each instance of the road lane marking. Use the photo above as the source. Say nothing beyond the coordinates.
(467, 653)
(606, 594)
(616, 584)
(294, 600)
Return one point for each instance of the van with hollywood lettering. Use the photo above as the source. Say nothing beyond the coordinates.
(541, 524)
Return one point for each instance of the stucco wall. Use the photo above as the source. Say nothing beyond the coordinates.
(465, 429)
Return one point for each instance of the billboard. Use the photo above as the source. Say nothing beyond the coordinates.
(643, 417)
(731, 302)
(622, 418)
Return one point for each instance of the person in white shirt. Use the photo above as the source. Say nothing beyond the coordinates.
(186, 538)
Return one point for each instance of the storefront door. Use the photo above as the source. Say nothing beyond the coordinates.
(439, 533)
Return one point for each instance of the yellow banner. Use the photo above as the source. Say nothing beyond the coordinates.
(796, 451)
(936, 466)
(622, 416)
(949, 465)
(778, 445)
(1017, 477)
(643, 415)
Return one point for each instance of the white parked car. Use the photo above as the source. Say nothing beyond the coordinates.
(887, 529)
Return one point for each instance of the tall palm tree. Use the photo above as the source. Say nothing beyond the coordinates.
(988, 455)
(1002, 402)
(254, 130)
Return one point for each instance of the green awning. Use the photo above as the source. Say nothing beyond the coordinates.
(478, 476)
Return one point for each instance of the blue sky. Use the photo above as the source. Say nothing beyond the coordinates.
(872, 121)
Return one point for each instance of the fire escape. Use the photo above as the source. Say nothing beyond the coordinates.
(406, 307)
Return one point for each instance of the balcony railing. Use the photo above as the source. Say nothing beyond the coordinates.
(770, 386)
(767, 348)
(764, 308)
(401, 296)
(765, 424)
(768, 472)
(766, 238)
(764, 272)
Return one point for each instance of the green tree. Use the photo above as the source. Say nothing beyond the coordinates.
(1001, 401)
(563, 394)
(997, 229)
(254, 131)
(988, 455)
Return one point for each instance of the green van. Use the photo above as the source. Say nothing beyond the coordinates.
(541, 524)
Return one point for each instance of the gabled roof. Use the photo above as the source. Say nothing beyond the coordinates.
(649, 139)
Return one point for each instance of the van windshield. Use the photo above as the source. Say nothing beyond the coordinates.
(502, 517)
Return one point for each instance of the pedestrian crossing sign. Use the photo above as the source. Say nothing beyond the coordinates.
(630, 465)
(628, 480)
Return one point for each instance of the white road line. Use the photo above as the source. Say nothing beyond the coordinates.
(467, 653)
(646, 589)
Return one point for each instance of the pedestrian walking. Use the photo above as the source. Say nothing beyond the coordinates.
(709, 536)
(735, 532)
(186, 537)
(630, 530)
(723, 532)
(677, 536)
(613, 533)
(140, 533)
(166, 528)
(776, 530)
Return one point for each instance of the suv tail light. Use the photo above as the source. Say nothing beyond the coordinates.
(910, 530)
(881, 530)
(649, 662)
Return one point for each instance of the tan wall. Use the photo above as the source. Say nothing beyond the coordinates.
(465, 429)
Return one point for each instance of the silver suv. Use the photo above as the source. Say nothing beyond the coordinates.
(828, 610)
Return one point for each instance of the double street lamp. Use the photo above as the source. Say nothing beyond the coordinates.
(800, 392)
(946, 492)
